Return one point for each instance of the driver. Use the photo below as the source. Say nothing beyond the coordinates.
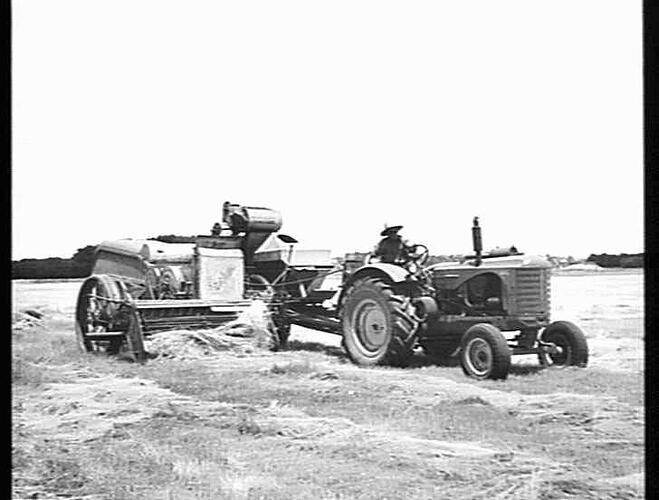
(392, 249)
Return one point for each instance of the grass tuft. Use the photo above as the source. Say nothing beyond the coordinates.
(26, 373)
(294, 368)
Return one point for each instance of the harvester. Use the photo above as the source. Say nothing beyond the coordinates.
(382, 310)
(139, 288)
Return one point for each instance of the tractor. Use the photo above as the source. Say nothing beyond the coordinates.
(452, 310)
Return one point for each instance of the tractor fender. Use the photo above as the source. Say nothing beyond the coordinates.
(388, 272)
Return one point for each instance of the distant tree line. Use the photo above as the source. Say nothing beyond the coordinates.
(617, 260)
(78, 266)
(174, 238)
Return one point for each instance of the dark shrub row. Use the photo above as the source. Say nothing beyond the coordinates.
(617, 260)
(78, 266)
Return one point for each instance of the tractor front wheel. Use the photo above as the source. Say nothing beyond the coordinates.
(377, 328)
(485, 353)
(570, 342)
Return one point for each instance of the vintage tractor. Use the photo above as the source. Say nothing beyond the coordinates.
(383, 310)
(141, 287)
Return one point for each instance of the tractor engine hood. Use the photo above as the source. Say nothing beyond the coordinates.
(534, 261)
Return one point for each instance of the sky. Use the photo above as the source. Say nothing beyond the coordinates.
(138, 118)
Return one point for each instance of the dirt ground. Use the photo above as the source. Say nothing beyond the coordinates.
(306, 423)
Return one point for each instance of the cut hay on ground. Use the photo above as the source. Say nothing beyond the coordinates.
(27, 318)
(249, 333)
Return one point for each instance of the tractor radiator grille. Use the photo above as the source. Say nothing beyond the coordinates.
(532, 292)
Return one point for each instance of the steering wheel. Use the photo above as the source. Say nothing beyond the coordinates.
(420, 258)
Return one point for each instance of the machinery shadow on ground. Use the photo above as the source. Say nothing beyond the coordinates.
(419, 360)
(297, 345)
(422, 360)
(525, 369)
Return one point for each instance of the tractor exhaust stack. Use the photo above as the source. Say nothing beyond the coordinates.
(478, 242)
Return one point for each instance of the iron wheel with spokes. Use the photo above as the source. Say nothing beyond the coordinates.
(96, 313)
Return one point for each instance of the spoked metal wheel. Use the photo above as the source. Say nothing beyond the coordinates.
(485, 353)
(98, 322)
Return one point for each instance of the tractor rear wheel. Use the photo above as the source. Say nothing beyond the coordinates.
(570, 341)
(377, 329)
(485, 352)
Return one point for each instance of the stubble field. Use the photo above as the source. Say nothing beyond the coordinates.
(306, 423)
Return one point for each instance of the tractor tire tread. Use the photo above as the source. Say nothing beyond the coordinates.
(574, 334)
(399, 349)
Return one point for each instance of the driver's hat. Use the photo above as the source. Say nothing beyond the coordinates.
(390, 230)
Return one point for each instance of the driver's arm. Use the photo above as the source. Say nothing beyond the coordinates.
(410, 249)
